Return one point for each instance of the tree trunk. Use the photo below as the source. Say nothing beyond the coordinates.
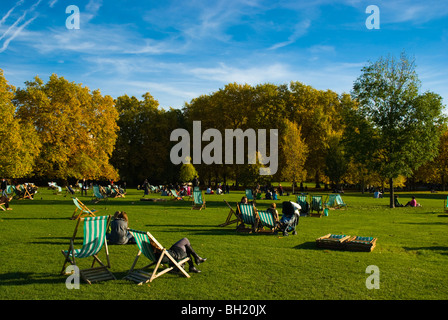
(392, 200)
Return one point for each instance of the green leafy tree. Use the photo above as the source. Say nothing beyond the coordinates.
(143, 144)
(400, 128)
(187, 172)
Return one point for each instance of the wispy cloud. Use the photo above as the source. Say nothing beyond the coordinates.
(15, 29)
(300, 30)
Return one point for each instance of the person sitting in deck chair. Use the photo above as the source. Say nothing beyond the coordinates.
(180, 250)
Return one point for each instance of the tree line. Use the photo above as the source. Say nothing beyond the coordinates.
(381, 132)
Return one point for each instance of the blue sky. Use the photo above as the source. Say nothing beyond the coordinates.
(179, 50)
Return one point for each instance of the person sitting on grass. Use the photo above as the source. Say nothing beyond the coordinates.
(413, 203)
(397, 203)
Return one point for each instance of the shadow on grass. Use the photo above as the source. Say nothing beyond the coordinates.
(27, 278)
(436, 249)
(33, 218)
(309, 245)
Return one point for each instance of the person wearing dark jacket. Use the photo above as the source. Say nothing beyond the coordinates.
(119, 233)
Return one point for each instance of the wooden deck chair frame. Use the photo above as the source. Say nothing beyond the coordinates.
(266, 219)
(146, 244)
(246, 216)
(229, 219)
(316, 208)
(198, 200)
(27, 194)
(93, 242)
(81, 210)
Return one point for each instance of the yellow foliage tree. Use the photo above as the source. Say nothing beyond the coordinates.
(76, 127)
(20, 144)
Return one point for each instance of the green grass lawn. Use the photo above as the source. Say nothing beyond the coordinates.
(411, 251)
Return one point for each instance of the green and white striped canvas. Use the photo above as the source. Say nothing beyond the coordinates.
(247, 213)
(144, 244)
(94, 236)
(197, 197)
(267, 219)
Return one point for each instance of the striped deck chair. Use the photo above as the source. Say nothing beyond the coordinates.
(266, 219)
(335, 202)
(305, 206)
(94, 240)
(316, 209)
(10, 190)
(249, 194)
(147, 245)
(229, 219)
(340, 204)
(174, 195)
(81, 210)
(98, 195)
(246, 216)
(198, 200)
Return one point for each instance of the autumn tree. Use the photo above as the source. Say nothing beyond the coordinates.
(20, 144)
(436, 171)
(294, 152)
(76, 127)
(400, 126)
(318, 114)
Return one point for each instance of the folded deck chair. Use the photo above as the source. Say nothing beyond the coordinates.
(98, 195)
(316, 209)
(198, 200)
(174, 195)
(266, 219)
(445, 205)
(332, 241)
(357, 243)
(94, 240)
(249, 194)
(81, 210)
(229, 219)
(246, 216)
(147, 244)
